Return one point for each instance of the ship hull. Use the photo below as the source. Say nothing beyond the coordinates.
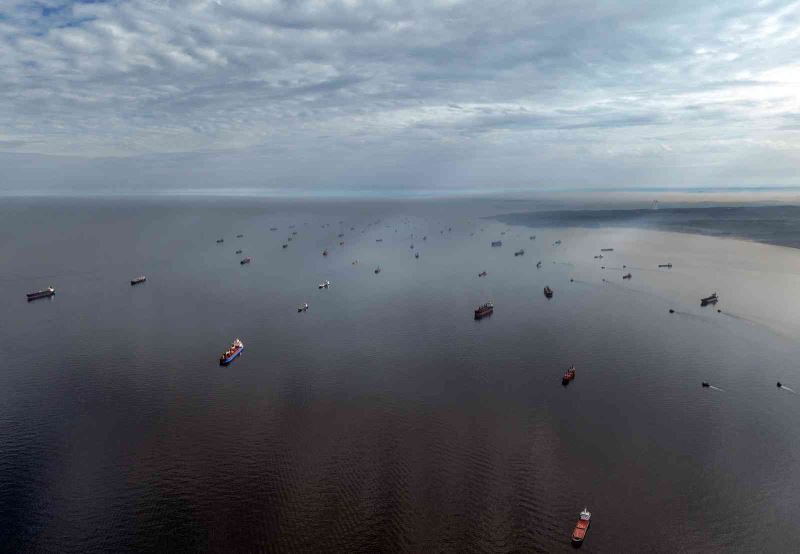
(480, 315)
(229, 359)
(38, 295)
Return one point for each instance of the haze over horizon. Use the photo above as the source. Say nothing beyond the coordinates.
(323, 97)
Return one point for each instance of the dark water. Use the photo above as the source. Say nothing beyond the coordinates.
(385, 418)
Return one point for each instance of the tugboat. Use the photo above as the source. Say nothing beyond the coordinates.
(245, 261)
(497, 243)
(548, 292)
(519, 252)
(302, 308)
(231, 353)
(706, 384)
(45, 293)
(579, 533)
(669, 265)
(569, 375)
(484, 310)
(482, 274)
(377, 270)
(627, 276)
(709, 300)
(139, 279)
(324, 285)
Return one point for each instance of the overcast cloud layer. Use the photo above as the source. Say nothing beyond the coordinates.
(384, 95)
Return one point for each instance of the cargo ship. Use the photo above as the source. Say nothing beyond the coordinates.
(239, 236)
(324, 285)
(665, 265)
(606, 250)
(484, 310)
(231, 353)
(569, 375)
(548, 292)
(45, 293)
(519, 252)
(238, 252)
(497, 243)
(139, 279)
(245, 261)
(627, 276)
(709, 300)
(220, 241)
(482, 274)
(579, 533)
(302, 308)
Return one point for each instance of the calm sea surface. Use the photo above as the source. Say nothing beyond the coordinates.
(386, 418)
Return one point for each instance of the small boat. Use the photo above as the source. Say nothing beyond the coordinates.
(245, 261)
(600, 257)
(579, 533)
(416, 254)
(665, 265)
(378, 240)
(569, 375)
(606, 250)
(294, 232)
(377, 270)
(497, 243)
(548, 292)
(412, 247)
(324, 285)
(341, 243)
(705, 384)
(779, 384)
(502, 232)
(302, 308)
(340, 235)
(538, 264)
(709, 300)
(482, 274)
(239, 251)
(519, 252)
(220, 241)
(354, 262)
(139, 279)
(273, 228)
(627, 276)
(556, 243)
(289, 239)
(239, 236)
(44, 293)
(325, 252)
(533, 237)
(285, 246)
(425, 237)
(484, 310)
(231, 353)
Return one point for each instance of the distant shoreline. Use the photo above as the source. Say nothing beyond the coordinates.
(776, 225)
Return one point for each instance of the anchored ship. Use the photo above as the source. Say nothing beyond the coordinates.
(482, 274)
(139, 279)
(519, 252)
(579, 533)
(548, 292)
(627, 276)
(231, 353)
(606, 250)
(484, 310)
(569, 375)
(665, 265)
(497, 243)
(324, 285)
(302, 308)
(245, 261)
(45, 293)
(709, 300)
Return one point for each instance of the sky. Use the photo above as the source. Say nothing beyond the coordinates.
(305, 97)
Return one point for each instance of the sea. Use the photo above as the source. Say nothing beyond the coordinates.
(386, 418)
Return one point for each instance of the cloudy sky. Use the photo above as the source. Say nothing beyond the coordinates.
(441, 95)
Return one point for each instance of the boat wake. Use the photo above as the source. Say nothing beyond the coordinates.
(712, 387)
(784, 387)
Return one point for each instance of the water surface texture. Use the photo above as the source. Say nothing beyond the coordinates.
(385, 418)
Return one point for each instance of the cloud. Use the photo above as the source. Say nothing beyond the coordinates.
(370, 94)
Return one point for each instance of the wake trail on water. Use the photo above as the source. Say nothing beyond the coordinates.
(787, 388)
(712, 387)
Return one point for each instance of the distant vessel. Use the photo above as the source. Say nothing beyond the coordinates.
(324, 284)
(538, 264)
(598, 257)
(231, 353)
(482, 274)
(556, 243)
(548, 292)
(705, 384)
(340, 235)
(709, 300)
(484, 310)
(533, 237)
(302, 308)
(627, 276)
(569, 375)
(239, 236)
(497, 243)
(416, 254)
(377, 270)
(273, 228)
(664, 265)
(294, 232)
(44, 293)
(325, 252)
(220, 240)
(245, 261)
(285, 246)
(139, 279)
(606, 250)
(378, 240)
(579, 533)
(412, 247)
(239, 251)
(519, 252)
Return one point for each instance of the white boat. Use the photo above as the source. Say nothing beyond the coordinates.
(302, 308)
(324, 284)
